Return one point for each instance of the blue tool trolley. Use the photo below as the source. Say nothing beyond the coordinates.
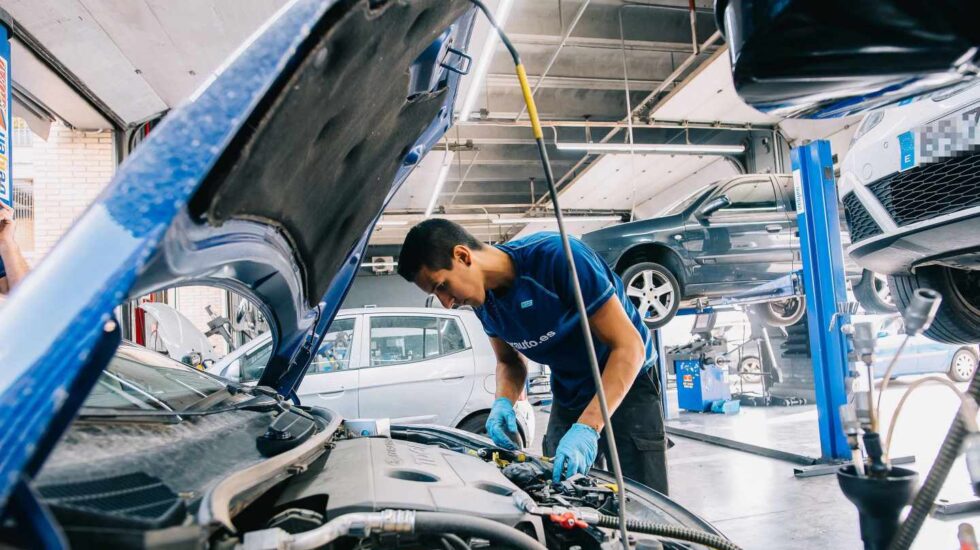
(700, 385)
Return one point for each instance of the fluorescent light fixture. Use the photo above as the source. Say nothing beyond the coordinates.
(664, 148)
(514, 221)
(440, 181)
(392, 222)
(483, 64)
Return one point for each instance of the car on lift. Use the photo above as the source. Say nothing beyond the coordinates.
(910, 185)
(268, 182)
(734, 235)
(412, 365)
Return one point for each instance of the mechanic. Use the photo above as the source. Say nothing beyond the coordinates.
(522, 292)
(13, 267)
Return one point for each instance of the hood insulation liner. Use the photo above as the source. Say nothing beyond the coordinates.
(318, 158)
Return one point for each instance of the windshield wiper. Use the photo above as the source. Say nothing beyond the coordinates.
(260, 403)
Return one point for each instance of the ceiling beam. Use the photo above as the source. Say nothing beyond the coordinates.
(603, 43)
(570, 82)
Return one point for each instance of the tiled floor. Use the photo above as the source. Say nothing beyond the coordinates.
(758, 502)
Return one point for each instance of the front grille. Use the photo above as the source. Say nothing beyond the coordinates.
(930, 190)
(859, 221)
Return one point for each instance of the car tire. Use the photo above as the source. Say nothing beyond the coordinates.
(873, 293)
(780, 313)
(963, 365)
(477, 424)
(958, 318)
(648, 281)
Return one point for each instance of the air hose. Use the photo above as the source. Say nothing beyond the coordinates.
(926, 497)
(439, 523)
(532, 112)
(670, 531)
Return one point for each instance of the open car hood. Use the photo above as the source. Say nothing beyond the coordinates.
(268, 182)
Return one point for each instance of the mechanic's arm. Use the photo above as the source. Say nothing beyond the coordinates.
(511, 370)
(611, 325)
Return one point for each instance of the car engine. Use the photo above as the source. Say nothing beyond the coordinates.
(426, 470)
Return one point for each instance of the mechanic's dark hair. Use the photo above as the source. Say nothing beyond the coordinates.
(430, 244)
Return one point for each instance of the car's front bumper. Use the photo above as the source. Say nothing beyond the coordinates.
(952, 239)
(920, 215)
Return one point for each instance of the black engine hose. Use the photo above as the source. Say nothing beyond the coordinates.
(439, 523)
(926, 497)
(670, 531)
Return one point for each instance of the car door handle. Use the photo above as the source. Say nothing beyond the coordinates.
(452, 378)
(774, 228)
(331, 393)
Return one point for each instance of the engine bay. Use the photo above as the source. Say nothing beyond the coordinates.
(413, 487)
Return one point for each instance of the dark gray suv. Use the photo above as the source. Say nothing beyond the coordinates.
(736, 234)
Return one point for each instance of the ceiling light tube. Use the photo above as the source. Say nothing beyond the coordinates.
(509, 221)
(440, 181)
(663, 148)
(483, 64)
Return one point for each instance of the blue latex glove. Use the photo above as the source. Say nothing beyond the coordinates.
(576, 452)
(502, 424)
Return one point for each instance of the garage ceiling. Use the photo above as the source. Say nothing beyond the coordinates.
(588, 57)
(134, 59)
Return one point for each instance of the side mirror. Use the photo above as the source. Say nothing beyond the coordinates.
(714, 205)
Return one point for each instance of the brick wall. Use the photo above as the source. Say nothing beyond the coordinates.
(69, 171)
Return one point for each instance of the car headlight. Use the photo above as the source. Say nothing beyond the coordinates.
(867, 125)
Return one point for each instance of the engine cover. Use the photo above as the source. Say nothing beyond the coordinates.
(372, 474)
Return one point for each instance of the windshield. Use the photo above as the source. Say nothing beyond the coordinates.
(686, 203)
(139, 379)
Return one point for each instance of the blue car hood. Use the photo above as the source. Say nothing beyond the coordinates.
(267, 182)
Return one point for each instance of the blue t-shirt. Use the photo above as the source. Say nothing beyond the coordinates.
(537, 314)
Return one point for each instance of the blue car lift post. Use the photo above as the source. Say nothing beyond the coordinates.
(824, 288)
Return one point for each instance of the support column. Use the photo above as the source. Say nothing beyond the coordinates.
(823, 278)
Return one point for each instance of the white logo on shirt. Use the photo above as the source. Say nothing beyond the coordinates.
(528, 344)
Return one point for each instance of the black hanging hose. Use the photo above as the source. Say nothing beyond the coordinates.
(926, 497)
(670, 531)
(532, 112)
(438, 523)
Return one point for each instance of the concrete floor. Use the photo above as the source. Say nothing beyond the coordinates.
(758, 502)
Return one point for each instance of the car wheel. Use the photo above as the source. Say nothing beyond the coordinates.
(963, 365)
(654, 291)
(781, 313)
(958, 318)
(873, 294)
(750, 369)
(478, 425)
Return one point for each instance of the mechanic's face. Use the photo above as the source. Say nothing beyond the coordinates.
(461, 284)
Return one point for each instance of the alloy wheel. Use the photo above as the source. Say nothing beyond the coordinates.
(652, 294)
(880, 285)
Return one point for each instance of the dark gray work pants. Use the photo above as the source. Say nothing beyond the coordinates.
(638, 425)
